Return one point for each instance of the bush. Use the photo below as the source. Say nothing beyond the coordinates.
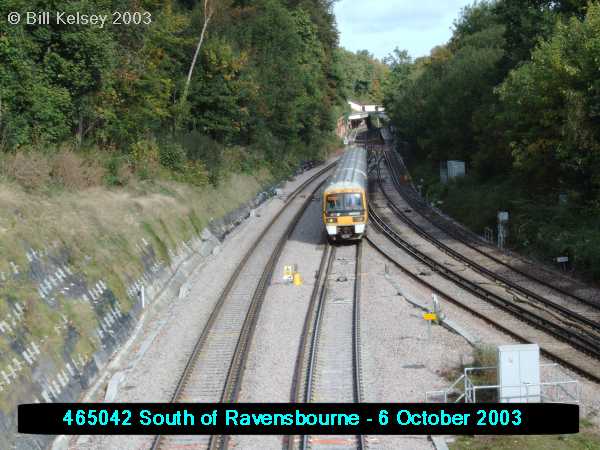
(172, 156)
(145, 150)
(194, 172)
(146, 154)
(30, 169)
(205, 149)
(119, 171)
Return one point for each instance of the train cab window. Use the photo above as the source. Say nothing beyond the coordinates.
(334, 203)
(344, 202)
(353, 202)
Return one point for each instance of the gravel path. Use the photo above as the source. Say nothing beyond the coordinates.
(151, 369)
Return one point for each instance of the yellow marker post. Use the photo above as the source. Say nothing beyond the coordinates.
(297, 279)
(430, 317)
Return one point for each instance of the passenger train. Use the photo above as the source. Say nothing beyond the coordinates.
(345, 211)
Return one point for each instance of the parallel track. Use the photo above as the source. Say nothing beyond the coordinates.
(409, 195)
(331, 332)
(583, 343)
(576, 319)
(227, 334)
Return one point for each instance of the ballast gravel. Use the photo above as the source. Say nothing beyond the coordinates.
(272, 358)
(401, 357)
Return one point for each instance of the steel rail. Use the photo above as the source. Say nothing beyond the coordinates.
(190, 364)
(419, 205)
(315, 338)
(297, 395)
(306, 363)
(503, 305)
(527, 293)
(595, 377)
(584, 343)
(357, 356)
(234, 379)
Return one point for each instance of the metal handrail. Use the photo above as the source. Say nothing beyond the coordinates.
(470, 389)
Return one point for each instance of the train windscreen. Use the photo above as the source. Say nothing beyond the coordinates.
(337, 203)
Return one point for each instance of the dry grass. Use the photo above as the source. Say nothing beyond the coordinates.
(62, 200)
(101, 228)
(35, 170)
(74, 172)
(30, 169)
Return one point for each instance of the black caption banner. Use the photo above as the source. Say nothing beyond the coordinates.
(301, 418)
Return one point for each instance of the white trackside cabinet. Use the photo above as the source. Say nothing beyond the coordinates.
(519, 373)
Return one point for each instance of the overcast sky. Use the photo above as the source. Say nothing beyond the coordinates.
(382, 25)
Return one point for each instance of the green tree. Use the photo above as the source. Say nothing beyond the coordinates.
(554, 101)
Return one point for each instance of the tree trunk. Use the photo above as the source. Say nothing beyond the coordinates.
(207, 17)
(79, 136)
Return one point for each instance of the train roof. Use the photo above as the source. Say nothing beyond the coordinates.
(351, 171)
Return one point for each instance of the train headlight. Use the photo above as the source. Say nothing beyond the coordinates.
(359, 219)
(331, 220)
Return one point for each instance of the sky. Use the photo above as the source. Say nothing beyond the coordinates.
(382, 25)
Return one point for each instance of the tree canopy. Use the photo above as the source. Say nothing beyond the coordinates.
(265, 73)
(516, 94)
(515, 89)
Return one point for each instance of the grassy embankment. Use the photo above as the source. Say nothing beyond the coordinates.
(541, 227)
(98, 211)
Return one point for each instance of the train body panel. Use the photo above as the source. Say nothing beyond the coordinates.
(345, 210)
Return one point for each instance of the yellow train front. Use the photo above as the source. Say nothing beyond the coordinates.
(345, 209)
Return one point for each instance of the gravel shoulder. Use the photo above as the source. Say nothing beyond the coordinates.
(400, 361)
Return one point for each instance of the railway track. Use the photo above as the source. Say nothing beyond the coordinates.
(481, 307)
(566, 309)
(469, 239)
(580, 331)
(328, 367)
(214, 370)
